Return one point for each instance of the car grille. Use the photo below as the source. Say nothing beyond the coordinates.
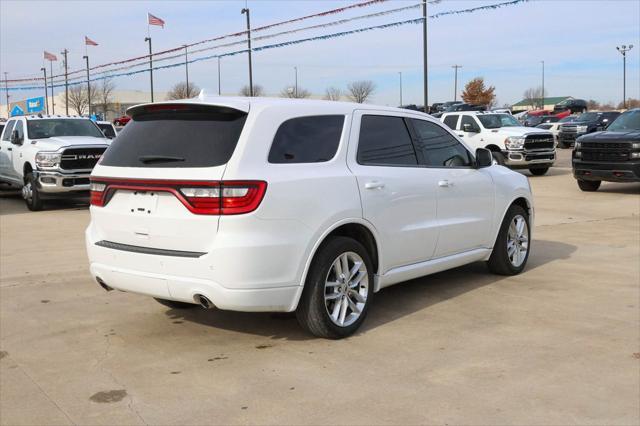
(538, 142)
(80, 158)
(605, 151)
(569, 128)
(606, 145)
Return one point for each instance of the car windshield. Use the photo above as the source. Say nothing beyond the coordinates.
(495, 121)
(628, 121)
(568, 119)
(588, 116)
(49, 128)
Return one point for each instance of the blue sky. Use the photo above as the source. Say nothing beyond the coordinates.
(575, 38)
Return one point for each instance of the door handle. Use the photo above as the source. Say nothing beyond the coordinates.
(462, 136)
(9, 149)
(444, 183)
(374, 185)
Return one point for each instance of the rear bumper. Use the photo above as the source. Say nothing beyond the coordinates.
(610, 172)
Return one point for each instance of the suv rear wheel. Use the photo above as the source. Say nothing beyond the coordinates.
(589, 185)
(511, 249)
(31, 194)
(338, 290)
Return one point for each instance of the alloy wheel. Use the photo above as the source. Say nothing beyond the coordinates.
(517, 241)
(346, 288)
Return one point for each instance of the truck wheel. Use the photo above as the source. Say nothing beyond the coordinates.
(539, 171)
(338, 290)
(174, 304)
(511, 249)
(589, 185)
(498, 157)
(31, 194)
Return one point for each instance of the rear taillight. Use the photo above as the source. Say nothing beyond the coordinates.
(200, 197)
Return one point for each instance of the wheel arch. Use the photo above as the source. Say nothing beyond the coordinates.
(26, 169)
(493, 148)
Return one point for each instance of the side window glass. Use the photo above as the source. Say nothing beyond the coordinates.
(466, 119)
(19, 129)
(6, 136)
(307, 139)
(451, 121)
(385, 141)
(438, 147)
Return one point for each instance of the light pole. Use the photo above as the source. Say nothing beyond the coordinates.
(6, 89)
(66, 82)
(295, 90)
(400, 74)
(246, 12)
(148, 39)
(186, 69)
(542, 94)
(219, 91)
(86, 58)
(46, 94)
(455, 81)
(424, 56)
(624, 49)
(53, 100)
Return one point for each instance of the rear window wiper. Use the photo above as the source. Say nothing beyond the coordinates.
(159, 159)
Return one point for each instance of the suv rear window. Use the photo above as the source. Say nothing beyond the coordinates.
(307, 139)
(176, 135)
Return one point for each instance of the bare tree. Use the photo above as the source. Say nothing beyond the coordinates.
(332, 94)
(533, 97)
(290, 92)
(360, 91)
(78, 99)
(181, 91)
(102, 95)
(257, 90)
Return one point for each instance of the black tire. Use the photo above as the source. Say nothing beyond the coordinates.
(174, 304)
(31, 194)
(589, 185)
(499, 157)
(312, 313)
(499, 262)
(539, 171)
(562, 144)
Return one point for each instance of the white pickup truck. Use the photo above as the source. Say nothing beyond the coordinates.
(50, 156)
(511, 144)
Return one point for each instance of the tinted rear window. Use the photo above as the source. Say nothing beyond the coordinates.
(188, 136)
(307, 139)
(385, 141)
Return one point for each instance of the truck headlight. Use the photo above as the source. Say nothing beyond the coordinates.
(635, 155)
(577, 145)
(48, 160)
(635, 145)
(514, 142)
(582, 129)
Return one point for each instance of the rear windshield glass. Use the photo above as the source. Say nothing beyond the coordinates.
(187, 136)
(49, 128)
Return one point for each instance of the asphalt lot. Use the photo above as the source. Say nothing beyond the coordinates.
(558, 344)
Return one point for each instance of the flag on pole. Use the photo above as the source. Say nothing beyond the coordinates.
(154, 20)
(89, 42)
(50, 56)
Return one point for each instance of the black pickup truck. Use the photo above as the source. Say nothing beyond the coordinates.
(612, 155)
(588, 122)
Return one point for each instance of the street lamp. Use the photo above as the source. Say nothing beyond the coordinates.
(455, 84)
(296, 86)
(400, 74)
(542, 95)
(623, 50)
(245, 11)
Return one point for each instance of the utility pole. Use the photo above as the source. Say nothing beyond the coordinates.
(246, 11)
(6, 89)
(86, 58)
(66, 82)
(624, 49)
(150, 65)
(53, 100)
(46, 94)
(424, 45)
(186, 68)
(296, 86)
(542, 95)
(219, 91)
(400, 74)
(455, 82)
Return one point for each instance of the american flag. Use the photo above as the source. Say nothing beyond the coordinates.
(50, 56)
(154, 20)
(89, 42)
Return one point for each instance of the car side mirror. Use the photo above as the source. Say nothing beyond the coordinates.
(466, 127)
(15, 138)
(484, 158)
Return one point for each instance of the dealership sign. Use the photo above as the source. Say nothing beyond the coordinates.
(35, 104)
(16, 110)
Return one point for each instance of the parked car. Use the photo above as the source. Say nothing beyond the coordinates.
(512, 145)
(121, 121)
(611, 156)
(460, 107)
(436, 107)
(554, 126)
(107, 128)
(50, 156)
(502, 111)
(573, 106)
(588, 122)
(307, 206)
(533, 121)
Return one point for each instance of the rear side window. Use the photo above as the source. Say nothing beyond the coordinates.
(385, 141)
(176, 135)
(307, 139)
(451, 121)
(6, 136)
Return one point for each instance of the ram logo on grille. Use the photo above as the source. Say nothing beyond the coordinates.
(82, 157)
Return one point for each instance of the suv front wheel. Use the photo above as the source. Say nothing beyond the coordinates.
(589, 185)
(338, 289)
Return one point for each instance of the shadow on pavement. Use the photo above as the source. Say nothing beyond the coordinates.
(11, 202)
(389, 304)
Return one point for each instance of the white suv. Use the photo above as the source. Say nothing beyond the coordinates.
(257, 204)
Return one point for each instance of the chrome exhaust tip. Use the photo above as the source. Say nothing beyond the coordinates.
(103, 284)
(204, 301)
